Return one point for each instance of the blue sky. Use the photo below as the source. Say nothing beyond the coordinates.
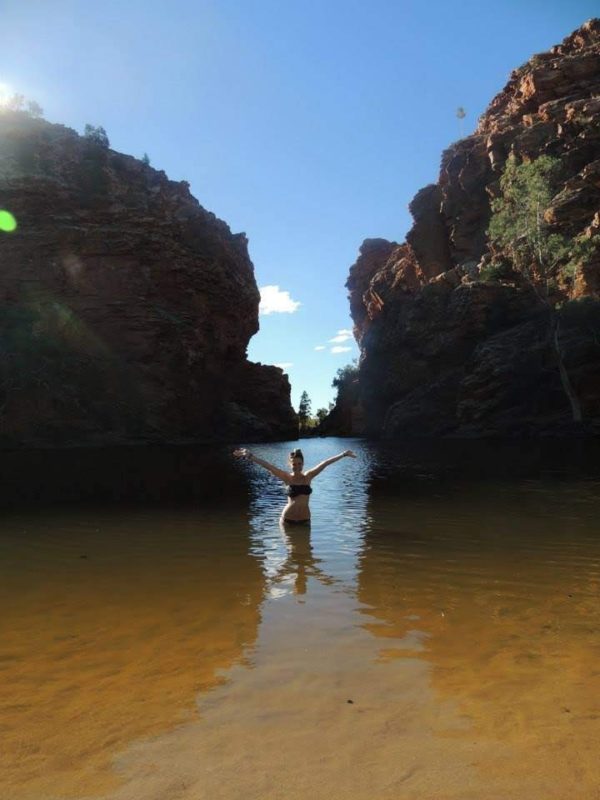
(308, 125)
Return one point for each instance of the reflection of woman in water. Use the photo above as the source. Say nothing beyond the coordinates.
(301, 562)
(298, 482)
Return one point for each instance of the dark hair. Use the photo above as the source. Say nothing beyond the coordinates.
(296, 454)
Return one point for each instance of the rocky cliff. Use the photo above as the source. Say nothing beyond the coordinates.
(445, 348)
(126, 307)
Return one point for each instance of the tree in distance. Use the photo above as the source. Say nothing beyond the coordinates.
(320, 415)
(304, 410)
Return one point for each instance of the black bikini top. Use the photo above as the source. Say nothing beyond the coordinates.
(294, 489)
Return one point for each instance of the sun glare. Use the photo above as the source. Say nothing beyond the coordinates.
(6, 92)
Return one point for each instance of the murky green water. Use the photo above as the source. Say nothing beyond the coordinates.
(435, 634)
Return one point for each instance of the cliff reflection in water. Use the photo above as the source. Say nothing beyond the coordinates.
(151, 475)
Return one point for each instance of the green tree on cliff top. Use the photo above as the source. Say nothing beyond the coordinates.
(518, 224)
(18, 102)
(344, 377)
(97, 135)
(520, 228)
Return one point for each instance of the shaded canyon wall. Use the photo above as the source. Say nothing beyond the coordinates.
(125, 307)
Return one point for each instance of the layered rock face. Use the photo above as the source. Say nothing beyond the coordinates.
(444, 351)
(126, 307)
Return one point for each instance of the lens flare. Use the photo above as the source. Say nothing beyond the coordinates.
(7, 222)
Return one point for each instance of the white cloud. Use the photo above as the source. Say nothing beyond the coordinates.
(342, 336)
(338, 349)
(275, 301)
(320, 347)
(285, 365)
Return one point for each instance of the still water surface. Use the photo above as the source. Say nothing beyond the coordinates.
(434, 635)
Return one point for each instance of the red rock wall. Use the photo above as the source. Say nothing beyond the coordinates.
(125, 305)
(434, 336)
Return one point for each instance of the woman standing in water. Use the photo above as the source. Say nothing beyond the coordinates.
(298, 482)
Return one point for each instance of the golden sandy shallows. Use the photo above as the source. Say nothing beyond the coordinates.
(96, 652)
(466, 636)
(431, 715)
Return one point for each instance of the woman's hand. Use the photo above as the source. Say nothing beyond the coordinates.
(242, 453)
(349, 453)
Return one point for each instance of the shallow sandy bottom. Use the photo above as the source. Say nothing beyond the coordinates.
(284, 728)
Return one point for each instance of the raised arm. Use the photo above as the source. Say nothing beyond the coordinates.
(320, 467)
(279, 473)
